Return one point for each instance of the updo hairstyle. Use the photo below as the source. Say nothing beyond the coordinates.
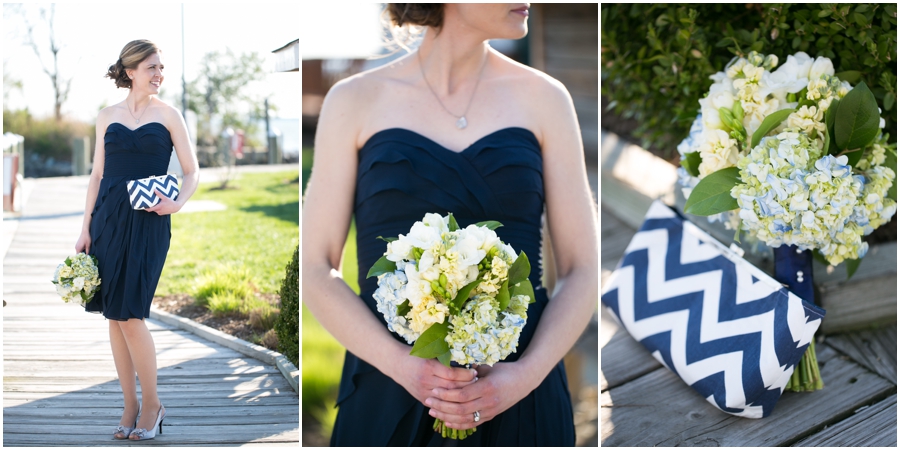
(406, 22)
(129, 58)
(418, 14)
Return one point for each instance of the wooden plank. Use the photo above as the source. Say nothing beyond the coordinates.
(174, 400)
(221, 418)
(873, 349)
(658, 409)
(184, 411)
(874, 426)
(51, 439)
(627, 360)
(860, 304)
(174, 379)
(88, 430)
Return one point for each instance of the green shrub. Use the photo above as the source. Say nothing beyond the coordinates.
(224, 304)
(228, 281)
(46, 137)
(656, 59)
(263, 318)
(287, 325)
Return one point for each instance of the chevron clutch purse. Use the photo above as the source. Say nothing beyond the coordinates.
(728, 329)
(141, 191)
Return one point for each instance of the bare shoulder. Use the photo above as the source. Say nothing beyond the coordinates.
(364, 87)
(106, 116)
(171, 116)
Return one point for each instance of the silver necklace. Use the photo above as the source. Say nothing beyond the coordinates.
(461, 121)
(138, 118)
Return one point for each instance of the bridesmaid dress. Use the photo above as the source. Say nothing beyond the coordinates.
(130, 245)
(401, 176)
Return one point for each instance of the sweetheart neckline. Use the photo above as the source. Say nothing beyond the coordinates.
(442, 147)
(134, 129)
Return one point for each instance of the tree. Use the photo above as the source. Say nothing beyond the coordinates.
(61, 85)
(221, 90)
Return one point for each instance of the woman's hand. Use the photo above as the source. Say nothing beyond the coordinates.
(420, 376)
(495, 390)
(165, 206)
(84, 242)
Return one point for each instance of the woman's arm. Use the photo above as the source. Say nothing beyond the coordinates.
(84, 239)
(327, 208)
(186, 157)
(572, 223)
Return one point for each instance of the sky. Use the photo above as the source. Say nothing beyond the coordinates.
(92, 35)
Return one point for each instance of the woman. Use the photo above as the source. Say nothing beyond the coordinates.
(134, 140)
(452, 127)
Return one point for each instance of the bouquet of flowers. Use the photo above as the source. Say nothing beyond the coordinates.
(458, 295)
(794, 157)
(77, 278)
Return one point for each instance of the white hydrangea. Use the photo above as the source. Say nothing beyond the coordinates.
(717, 151)
(432, 265)
(77, 279)
(482, 334)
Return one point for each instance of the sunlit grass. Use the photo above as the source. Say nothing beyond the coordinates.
(257, 233)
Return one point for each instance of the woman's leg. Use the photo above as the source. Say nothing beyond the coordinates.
(125, 369)
(143, 356)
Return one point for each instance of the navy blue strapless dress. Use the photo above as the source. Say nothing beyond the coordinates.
(401, 176)
(130, 245)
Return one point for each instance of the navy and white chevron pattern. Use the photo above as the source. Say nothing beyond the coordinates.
(726, 328)
(141, 192)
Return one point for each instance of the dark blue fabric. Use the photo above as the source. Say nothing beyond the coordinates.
(130, 245)
(749, 344)
(787, 263)
(403, 175)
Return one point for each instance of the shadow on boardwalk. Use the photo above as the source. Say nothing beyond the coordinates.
(60, 385)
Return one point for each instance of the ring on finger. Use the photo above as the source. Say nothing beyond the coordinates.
(477, 416)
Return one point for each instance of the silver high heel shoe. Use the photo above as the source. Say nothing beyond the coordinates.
(126, 430)
(143, 434)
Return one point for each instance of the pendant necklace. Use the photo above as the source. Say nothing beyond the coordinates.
(137, 119)
(461, 121)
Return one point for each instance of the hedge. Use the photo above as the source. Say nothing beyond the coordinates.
(287, 325)
(656, 59)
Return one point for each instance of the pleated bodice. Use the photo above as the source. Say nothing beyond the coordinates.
(403, 175)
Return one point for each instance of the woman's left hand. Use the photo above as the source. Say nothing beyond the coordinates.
(496, 389)
(165, 206)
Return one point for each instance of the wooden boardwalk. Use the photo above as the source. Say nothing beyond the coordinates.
(59, 380)
(644, 404)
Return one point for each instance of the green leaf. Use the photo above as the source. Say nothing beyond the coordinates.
(854, 157)
(520, 269)
(824, 13)
(403, 308)
(491, 224)
(723, 42)
(890, 160)
(852, 265)
(383, 265)
(452, 226)
(829, 125)
(523, 287)
(445, 358)
(712, 195)
(856, 120)
(387, 239)
(463, 294)
(827, 143)
(503, 295)
(431, 343)
(768, 124)
(818, 257)
(889, 99)
(850, 76)
(691, 163)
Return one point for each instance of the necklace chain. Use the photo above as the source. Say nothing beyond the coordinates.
(138, 118)
(461, 121)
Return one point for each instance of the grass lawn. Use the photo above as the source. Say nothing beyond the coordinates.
(257, 232)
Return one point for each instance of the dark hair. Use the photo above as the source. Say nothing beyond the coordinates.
(419, 14)
(131, 55)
